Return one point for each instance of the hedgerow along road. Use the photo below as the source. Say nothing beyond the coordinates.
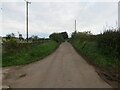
(64, 68)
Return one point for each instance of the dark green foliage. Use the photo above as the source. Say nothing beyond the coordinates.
(110, 42)
(28, 54)
(9, 36)
(56, 37)
(34, 38)
(83, 36)
(105, 49)
(16, 51)
(64, 35)
(10, 44)
(94, 53)
(59, 37)
(20, 37)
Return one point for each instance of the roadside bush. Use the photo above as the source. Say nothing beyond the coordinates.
(28, 54)
(82, 36)
(59, 37)
(64, 35)
(10, 44)
(21, 37)
(110, 42)
(9, 36)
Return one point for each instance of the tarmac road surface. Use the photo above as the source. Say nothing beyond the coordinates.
(64, 68)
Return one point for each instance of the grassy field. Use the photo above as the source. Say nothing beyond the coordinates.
(29, 54)
(95, 54)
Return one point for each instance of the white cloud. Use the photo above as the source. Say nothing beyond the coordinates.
(10, 25)
(48, 17)
(61, 0)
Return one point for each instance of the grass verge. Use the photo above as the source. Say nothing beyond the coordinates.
(94, 54)
(29, 54)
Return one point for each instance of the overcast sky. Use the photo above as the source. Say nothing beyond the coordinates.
(48, 17)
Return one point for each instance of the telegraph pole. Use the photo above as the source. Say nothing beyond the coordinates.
(75, 27)
(27, 18)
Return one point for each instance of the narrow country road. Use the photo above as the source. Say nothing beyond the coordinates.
(65, 68)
